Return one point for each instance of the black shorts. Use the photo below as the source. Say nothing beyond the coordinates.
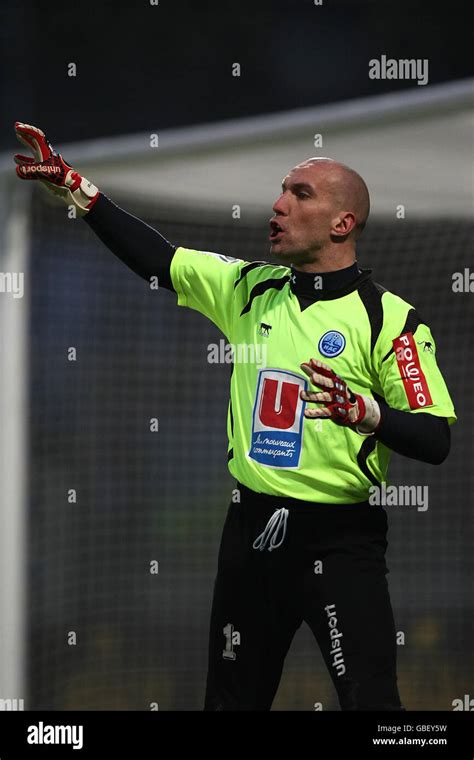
(319, 563)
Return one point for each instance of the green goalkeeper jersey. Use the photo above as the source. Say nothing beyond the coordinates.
(373, 339)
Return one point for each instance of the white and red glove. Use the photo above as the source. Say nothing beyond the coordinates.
(52, 170)
(339, 403)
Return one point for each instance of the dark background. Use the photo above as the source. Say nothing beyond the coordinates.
(143, 67)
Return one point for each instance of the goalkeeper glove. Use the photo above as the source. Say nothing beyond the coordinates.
(52, 170)
(340, 404)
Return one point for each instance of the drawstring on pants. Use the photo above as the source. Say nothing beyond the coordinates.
(276, 521)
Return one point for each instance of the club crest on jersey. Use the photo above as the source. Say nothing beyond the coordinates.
(331, 344)
(277, 423)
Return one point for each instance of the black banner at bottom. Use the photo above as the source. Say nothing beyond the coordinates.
(147, 734)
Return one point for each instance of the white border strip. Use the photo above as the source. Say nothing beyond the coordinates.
(13, 442)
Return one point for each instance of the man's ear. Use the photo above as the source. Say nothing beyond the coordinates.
(344, 223)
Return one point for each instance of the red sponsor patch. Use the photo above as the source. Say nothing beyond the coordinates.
(416, 387)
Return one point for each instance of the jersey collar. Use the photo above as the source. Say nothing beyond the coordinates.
(315, 286)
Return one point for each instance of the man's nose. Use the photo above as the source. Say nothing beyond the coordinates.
(281, 205)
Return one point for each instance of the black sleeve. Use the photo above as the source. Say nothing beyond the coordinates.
(138, 245)
(418, 436)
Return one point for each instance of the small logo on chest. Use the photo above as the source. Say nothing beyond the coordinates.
(331, 344)
(264, 330)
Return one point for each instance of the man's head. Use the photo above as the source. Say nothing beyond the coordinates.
(323, 208)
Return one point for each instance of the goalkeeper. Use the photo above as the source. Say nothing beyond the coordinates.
(351, 375)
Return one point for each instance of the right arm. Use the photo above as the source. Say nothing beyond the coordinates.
(138, 245)
(202, 280)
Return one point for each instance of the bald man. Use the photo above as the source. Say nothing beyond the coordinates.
(322, 211)
(311, 428)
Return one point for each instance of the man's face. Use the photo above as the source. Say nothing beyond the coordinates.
(305, 212)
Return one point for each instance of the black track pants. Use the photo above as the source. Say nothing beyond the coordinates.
(330, 572)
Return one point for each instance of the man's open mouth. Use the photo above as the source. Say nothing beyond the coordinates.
(275, 231)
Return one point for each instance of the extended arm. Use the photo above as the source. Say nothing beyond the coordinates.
(138, 245)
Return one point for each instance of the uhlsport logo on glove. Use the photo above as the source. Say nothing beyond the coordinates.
(32, 168)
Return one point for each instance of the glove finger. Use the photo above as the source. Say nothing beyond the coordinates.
(323, 375)
(28, 131)
(32, 143)
(19, 159)
(307, 368)
(33, 138)
(322, 381)
(316, 397)
(321, 367)
(321, 412)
